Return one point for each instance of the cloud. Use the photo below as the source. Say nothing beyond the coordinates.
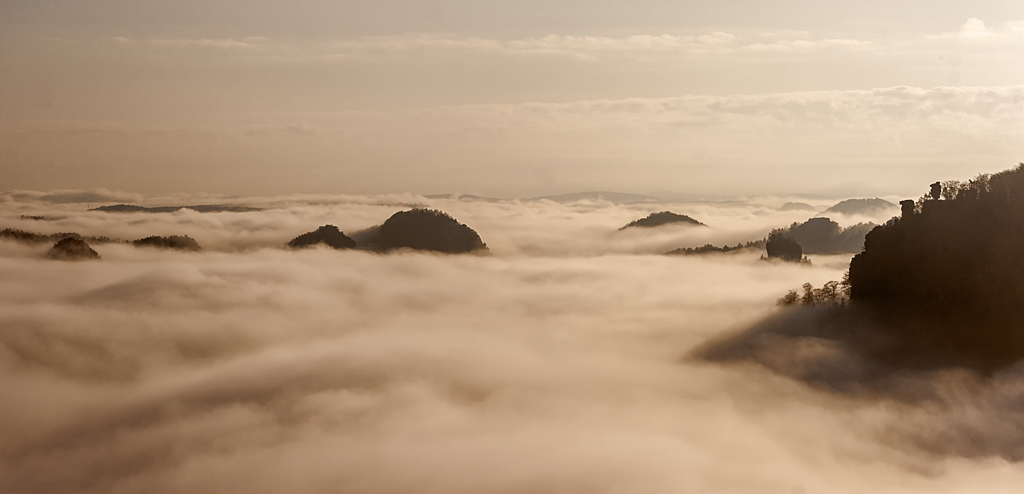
(319, 371)
(649, 48)
(99, 195)
(794, 141)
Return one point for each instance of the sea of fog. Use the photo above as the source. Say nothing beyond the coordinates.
(561, 363)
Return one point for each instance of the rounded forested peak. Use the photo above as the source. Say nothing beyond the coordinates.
(662, 218)
(72, 249)
(430, 230)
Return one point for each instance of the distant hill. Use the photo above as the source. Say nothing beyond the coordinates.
(463, 197)
(860, 206)
(614, 197)
(797, 206)
(328, 235)
(663, 218)
(203, 208)
(72, 249)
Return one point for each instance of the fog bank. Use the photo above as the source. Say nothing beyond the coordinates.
(259, 369)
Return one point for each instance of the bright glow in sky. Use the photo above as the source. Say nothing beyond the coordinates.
(503, 98)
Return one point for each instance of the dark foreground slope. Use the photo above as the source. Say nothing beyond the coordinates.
(949, 274)
(937, 288)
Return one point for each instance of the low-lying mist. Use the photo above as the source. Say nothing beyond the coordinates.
(561, 363)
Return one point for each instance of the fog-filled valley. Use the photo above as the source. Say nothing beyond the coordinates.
(565, 359)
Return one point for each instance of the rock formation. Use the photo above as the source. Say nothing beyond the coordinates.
(780, 246)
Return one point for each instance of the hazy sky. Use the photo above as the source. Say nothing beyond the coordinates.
(509, 98)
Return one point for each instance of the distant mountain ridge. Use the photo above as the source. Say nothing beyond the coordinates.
(860, 206)
(202, 208)
(600, 195)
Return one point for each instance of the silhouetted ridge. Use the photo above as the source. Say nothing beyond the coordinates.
(860, 206)
(427, 229)
(328, 235)
(40, 238)
(176, 242)
(72, 249)
(203, 208)
(662, 218)
(711, 249)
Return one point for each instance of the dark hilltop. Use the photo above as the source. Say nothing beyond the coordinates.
(421, 229)
(72, 249)
(662, 218)
(328, 235)
(429, 230)
(174, 242)
(417, 229)
(783, 247)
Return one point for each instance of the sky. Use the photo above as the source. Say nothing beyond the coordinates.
(678, 99)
